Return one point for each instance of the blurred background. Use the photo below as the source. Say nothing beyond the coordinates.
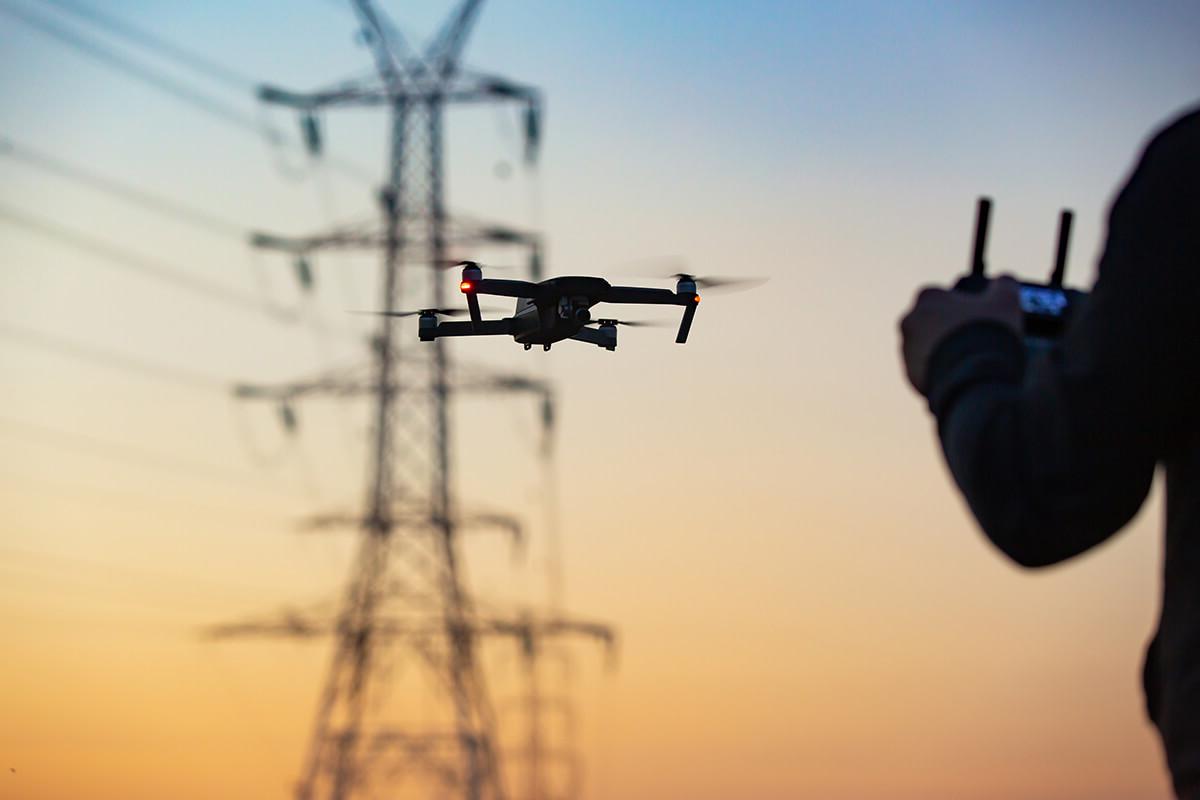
(801, 606)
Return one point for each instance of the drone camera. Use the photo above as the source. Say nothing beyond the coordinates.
(575, 309)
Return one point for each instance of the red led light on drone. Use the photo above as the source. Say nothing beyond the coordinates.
(466, 286)
(696, 298)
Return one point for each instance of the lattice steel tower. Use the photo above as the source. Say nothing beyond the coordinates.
(398, 582)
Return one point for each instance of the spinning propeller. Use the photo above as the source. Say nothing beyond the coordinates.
(446, 312)
(631, 323)
(673, 267)
(719, 283)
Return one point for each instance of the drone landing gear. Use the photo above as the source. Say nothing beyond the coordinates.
(528, 347)
(546, 347)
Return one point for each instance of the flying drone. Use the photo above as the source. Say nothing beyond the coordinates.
(557, 309)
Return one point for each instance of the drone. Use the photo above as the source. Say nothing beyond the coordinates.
(557, 308)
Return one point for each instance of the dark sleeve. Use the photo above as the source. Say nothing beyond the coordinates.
(1055, 452)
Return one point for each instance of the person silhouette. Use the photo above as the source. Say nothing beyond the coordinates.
(1055, 449)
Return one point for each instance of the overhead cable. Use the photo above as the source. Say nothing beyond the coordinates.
(197, 98)
(134, 69)
(130, 261)
(110, 358)
(150, 201)
(137, 456)
(196, 62)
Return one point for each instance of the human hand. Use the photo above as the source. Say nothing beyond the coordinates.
(936, 313)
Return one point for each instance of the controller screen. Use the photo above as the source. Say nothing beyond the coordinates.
(1043, 301)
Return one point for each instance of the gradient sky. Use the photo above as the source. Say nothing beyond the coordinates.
(806, 610)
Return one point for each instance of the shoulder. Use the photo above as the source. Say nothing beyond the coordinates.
(1166, 177)
(1177, 142)
(1185, 124)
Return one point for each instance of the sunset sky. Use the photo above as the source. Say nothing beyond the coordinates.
(805, 608)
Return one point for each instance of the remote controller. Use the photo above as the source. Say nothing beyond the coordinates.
(1046, 308)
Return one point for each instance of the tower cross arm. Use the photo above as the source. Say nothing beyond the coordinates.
(335, 239)
(470, 85)
(347, 94)
(467, 87)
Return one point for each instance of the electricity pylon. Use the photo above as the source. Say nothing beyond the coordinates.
(409, 475)
(539, 754)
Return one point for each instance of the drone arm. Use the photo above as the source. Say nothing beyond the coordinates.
(506, 288)
(685, 324)
(488, 327)
(473, 308)
(598, 338)
(643, 296)
(636, 294)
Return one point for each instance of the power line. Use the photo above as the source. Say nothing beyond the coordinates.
(136, 196)
(131, 364)
(135, 262)
(125, 496)
(132, 194)
(71, 561)
(136, 456)
(180, 91)
(111, 359)
(182, 56)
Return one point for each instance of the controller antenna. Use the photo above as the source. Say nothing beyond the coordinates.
(982, 213)
(1064, 242)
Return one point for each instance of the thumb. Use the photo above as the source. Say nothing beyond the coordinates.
(1004, 286)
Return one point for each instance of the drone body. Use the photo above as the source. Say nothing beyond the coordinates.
(555, 309)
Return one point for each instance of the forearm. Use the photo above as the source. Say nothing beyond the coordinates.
(1035, 508)
(1040, 487)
